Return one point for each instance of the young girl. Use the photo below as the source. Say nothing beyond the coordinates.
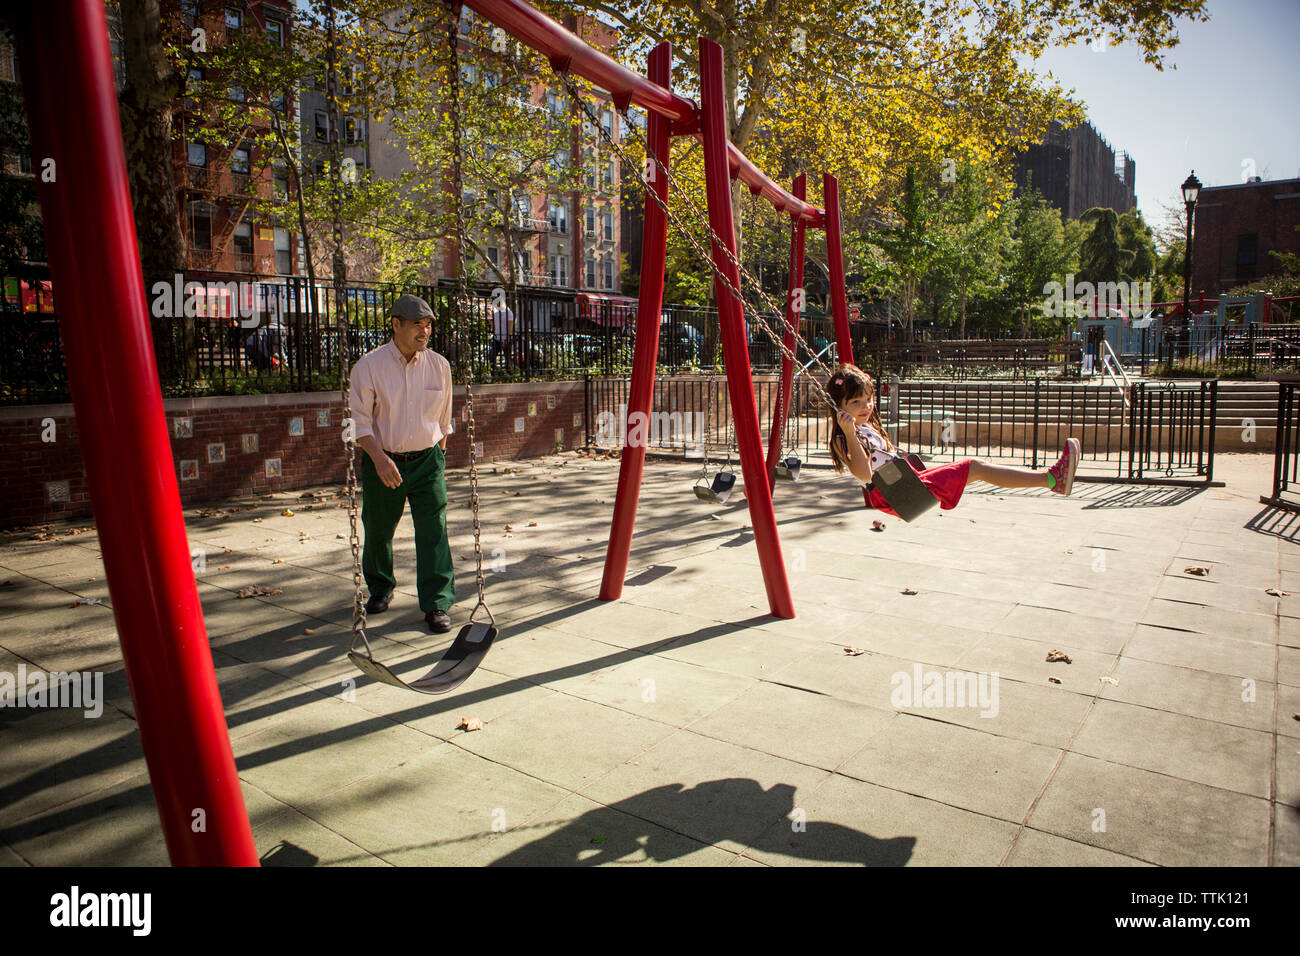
(860, 444)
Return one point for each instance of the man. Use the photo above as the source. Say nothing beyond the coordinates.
(503, 326)
(401, 403)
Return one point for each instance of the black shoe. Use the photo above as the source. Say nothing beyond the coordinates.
(439, 621)
(377, 605)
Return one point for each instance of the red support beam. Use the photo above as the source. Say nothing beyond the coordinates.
(568, 52)
(67, 76)
(794, 310)
(735, 347)
(654, 250)
(835, 265)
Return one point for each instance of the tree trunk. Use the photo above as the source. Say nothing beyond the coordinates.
(148, 96)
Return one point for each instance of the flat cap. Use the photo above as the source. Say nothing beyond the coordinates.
(412, 308)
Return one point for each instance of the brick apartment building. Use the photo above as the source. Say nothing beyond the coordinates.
(1236, 228)
(1075, 169)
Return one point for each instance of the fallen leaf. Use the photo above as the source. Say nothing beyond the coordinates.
(224, 567)
(1052, 680)
(340, 536)
(469, 723)
(597, 839)
(278, 561)
(1276, 592)
(1197, 570)
(519, 494)
(908, 591)
(1055, 655)
(286, 513)
(257, 590)
(1110, 680)
(854, 651)
(510, 528)
(257, 521)
(532, 524)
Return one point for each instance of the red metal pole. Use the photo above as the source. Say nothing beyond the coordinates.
(90, 235)
(792, 316)
(735, 348)
(654, 251)
(835, 255)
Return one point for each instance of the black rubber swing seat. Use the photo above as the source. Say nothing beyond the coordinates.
(453, 668)
(902, 490)
(719, 491)
(787, 469)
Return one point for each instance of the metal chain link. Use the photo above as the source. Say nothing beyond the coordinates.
(341, 314)
(466, 362)
(744, 273)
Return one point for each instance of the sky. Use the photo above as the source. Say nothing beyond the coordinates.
(1229, 109)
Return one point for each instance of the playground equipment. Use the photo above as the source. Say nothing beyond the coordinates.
(669, 115)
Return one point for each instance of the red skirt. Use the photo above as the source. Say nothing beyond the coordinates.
(947, 482)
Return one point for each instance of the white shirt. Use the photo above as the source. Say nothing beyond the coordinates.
(875, 445)
(405, 405)
(501, 319)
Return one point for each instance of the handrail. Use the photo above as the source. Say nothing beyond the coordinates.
(1111, 365)
(568, 52)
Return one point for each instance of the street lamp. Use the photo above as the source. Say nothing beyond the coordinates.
(1191, 190)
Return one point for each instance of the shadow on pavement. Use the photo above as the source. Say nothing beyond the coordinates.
(622, 829)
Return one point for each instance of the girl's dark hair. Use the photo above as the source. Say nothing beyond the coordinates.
(848, 383)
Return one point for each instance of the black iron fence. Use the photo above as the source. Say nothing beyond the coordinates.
(1286, 455)
(1147, 433)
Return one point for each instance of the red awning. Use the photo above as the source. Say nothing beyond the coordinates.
(609, 310)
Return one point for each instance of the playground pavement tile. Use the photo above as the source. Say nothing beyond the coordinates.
(683, 724)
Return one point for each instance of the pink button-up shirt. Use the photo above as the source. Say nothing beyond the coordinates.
(405, 405)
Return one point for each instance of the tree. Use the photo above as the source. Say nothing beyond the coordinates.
(152, 82)
(1101, 257)
(1039, 252)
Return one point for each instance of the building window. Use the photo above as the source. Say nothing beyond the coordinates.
(560, 270)
(322, 127)
(591, 273)
(607, 121)
(197, 154)
(234, 20)
(243, 239)
(608, 218)
(356, 130)
(239, 161)
(280, 182)
(283, 260)
(609, 274)
(190, 12)
(591, 220)
(559, 217)
(278, 102)
(200, 225)
(466, 19)
(591, 175)
(1247, 254)
(276, 31)
(237, 94)
(609, 172)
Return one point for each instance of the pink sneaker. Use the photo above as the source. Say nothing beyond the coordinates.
(1063, 470)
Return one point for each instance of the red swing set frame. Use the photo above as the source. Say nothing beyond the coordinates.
(67, 75)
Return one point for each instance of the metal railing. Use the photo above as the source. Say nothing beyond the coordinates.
(1164, 434)
(1286, 454)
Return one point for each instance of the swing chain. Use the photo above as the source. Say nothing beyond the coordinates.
(345, 346)
(464, 359)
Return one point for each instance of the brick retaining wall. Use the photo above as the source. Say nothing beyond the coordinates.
(294, 441)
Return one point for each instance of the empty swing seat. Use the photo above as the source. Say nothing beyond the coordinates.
(719, 490)
(787, 469)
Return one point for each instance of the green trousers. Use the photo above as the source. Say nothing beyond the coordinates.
(424, 484)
